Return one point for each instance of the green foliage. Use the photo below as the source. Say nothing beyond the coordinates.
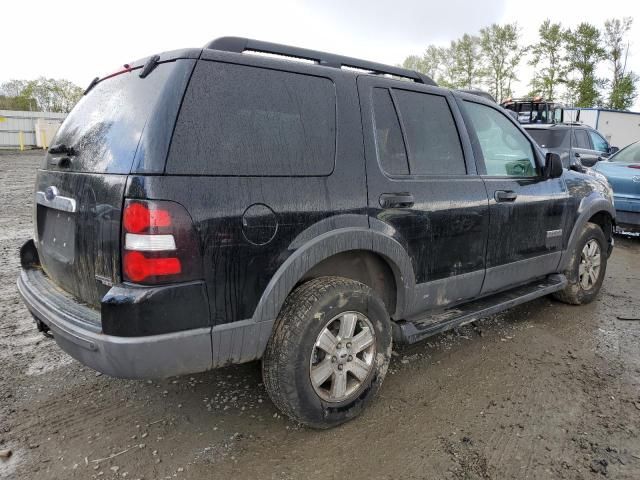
(430, 63)
(502, 53)
(565, 63)
(466, 71)
(547, 60)
(623, 84)
(45, 94)
(584, 51)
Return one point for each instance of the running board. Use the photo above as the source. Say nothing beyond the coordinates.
(413, 331)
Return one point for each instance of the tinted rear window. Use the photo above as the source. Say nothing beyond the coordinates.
(105, 127)
(548, 138)
(582, 139)
(432, 137)
(241, 120)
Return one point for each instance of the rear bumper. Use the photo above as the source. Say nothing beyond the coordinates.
(76, 329)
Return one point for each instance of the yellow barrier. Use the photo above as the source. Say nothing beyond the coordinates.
(21, 137)
(43, 138)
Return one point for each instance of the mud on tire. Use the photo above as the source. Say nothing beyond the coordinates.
(321, 305)
(579, 292)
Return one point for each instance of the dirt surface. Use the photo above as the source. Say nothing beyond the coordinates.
(545, 390)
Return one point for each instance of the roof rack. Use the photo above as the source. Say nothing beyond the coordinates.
(240, 45)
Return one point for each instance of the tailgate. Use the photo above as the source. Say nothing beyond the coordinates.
(121, 126)
(78, 230)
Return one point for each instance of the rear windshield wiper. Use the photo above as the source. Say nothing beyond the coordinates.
(62, 148)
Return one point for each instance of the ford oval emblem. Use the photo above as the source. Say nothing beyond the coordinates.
(50, 193)
(635, 178)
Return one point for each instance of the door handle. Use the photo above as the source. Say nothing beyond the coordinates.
(505, 195)
(396, 200)
(577, 155)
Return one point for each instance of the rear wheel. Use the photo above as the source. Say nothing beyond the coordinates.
(587, 267)
(329, 351)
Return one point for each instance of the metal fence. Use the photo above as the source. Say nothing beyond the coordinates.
(19, 130)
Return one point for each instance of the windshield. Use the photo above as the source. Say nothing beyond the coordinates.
(629, 154)
(548, 138)
(105, 127)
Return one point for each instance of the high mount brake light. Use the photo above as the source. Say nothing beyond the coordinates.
(158, 243)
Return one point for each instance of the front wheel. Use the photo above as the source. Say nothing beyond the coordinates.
(587, 267)
(329, 351)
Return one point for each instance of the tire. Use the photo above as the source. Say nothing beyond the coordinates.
(294, 353)
(579, 292)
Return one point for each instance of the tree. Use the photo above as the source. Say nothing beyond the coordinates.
(466, 71)
(46, 94)
(430, 63)
(502, 53)
(12, 96)
(583, 53)
(547, 60)
(623, 84)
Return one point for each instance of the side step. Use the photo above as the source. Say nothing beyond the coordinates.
(416, 330)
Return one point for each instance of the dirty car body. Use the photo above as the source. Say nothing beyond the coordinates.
(189, 196)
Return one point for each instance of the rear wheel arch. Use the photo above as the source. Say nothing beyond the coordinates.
(376, 254)
(363, 266)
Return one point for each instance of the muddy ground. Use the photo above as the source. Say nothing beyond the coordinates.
(542, 391)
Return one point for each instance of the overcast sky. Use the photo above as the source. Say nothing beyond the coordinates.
(79, 40)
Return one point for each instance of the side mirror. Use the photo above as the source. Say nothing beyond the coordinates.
(613, 150)
(553, 165)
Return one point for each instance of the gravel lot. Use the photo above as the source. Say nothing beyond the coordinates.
(545, 390)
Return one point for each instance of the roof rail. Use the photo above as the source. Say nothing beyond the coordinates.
(239, 45)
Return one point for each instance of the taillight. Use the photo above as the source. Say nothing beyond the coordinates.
(635, 166)
(159, 244)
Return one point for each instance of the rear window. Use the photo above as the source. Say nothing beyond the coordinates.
(548, 138)
(247, 121)
(106, 125)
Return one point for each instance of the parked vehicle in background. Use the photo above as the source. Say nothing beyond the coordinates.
(534, 110)
(211, 206)
(623, 173)
(576, 144)
(618, 127)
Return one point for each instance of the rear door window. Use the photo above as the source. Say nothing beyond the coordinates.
(581, 139)
(432, 137)
(247, 121)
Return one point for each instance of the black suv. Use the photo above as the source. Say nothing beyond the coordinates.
(212, 206)
(577, 144)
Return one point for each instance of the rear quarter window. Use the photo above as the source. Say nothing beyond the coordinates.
(239, 120)
(548, 138)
